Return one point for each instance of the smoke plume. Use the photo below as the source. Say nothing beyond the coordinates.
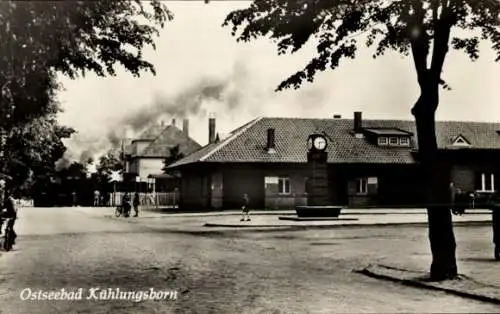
(227, 90)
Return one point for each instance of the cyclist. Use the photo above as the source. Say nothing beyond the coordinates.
(9, 212)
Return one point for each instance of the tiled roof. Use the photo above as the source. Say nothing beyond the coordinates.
(387, 131)
(211, 148)
(151, 132)
(162, 176)
(147, 135)
(170, 137)
(196, 156)
(247, 144)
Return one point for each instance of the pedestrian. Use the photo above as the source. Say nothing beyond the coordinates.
(460, 202)
(96, 198)
(245, 210)
(494, 205)
(136, 203)
(126, 204)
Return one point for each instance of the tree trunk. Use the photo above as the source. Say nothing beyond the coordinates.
(435, 180)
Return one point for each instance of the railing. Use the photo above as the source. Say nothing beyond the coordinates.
(24, 202)
(159, 199)
(167, 199)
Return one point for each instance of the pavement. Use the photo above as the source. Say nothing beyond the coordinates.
(228, 269)
(345, 220)
(280, 219)
(463, 286)
(344, 212)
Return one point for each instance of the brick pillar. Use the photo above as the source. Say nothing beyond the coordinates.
(318, 179)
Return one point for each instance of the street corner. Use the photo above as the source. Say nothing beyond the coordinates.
(462, 286)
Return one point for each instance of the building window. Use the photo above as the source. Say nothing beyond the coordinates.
(361, 186)
(486, 182)
(284, 185)
(404, 141)
(393, 140)
(382, 140)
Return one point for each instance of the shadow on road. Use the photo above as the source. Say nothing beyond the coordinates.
(323, 243)
(479, 259)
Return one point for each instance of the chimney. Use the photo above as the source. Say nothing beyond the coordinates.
(173, 121)
(270, 140)
(185, 127)
(358, 124)
(162, 123)
(211, 128)
(337, 116)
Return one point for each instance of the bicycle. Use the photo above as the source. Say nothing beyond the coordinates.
(120, 210)
(8, 235)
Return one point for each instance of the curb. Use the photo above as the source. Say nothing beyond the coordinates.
(419, 283)
(316, 218)
(353, 225)
(202, 214)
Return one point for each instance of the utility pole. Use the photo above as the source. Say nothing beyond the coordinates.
(124, 163)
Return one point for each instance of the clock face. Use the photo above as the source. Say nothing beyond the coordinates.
(320, 143)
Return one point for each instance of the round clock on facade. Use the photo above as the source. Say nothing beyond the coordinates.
(320, 143)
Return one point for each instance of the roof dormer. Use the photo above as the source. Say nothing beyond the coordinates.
(391, 137)
(460, 140)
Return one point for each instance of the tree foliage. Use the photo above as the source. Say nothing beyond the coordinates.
(42, 38)
(341, 26)
(33, 150)
(108, 163)
(174, 155)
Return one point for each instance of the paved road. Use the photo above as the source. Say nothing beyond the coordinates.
(216, 270)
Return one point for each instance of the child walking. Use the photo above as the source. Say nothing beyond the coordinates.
(136, 202)
(245, 211)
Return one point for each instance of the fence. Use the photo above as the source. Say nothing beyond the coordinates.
(24, 202)
(158, 199)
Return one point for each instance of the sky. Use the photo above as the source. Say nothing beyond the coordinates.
(202, 69)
